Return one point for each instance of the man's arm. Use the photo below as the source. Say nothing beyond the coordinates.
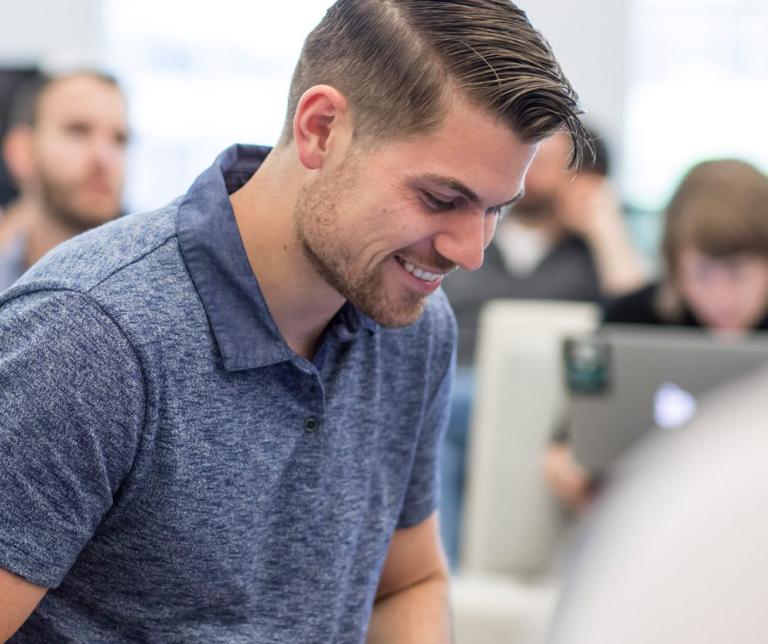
(412, 599)
(18, 598)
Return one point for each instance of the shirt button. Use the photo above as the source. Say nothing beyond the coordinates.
(310, 424)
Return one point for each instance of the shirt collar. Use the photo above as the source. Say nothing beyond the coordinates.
(213, 251)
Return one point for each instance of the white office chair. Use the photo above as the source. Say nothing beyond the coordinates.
(511, 528)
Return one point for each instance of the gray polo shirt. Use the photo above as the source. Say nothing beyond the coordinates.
(172, 470)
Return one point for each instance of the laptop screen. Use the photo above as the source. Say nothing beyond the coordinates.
(623, 381)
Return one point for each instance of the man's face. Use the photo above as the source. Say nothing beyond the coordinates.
(79, 142)
(724, 293)
(385, 225)
(546, 177)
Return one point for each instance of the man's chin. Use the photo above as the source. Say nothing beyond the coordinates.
(395, 317)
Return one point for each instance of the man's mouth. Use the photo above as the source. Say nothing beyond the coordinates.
(420, 273)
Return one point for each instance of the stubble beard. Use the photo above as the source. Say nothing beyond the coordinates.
(315, 216)
(59, 200)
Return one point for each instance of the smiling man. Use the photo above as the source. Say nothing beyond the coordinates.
(219, 420)
(66, 151)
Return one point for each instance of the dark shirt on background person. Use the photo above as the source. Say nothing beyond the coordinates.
(639, 307)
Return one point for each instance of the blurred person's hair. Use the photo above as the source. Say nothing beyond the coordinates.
(23, 110)
(25, 107)
(398, 62)
(11, 80)
(720, 209)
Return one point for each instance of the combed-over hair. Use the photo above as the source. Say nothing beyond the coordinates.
(399, 61)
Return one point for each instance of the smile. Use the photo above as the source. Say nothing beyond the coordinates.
(420, 273)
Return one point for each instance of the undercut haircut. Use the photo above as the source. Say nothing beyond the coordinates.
(399, 63)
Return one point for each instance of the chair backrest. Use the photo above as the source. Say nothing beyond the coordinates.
(511, 522)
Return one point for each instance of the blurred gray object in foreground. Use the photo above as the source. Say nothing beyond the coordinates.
(676, 553)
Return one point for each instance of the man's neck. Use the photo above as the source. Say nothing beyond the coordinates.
(300, 301)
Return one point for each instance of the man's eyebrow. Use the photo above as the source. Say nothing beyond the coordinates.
(458, 186)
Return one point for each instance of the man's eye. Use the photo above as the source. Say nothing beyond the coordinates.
(78, 129)
(496, 212)
(436, 204)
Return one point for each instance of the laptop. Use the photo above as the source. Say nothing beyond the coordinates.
(624, 381)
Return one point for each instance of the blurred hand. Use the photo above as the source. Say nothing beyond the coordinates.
(588, 205)
(568, 481)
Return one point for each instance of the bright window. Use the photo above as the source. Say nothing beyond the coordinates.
(698, 89)
(201, 76)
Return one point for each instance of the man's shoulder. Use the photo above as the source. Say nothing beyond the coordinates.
(90, 259)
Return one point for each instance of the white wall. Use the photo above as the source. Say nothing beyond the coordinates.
(54, 33)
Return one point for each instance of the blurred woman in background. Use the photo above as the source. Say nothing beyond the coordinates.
(715, 253)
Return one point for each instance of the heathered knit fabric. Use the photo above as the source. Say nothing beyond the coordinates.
(172, 470)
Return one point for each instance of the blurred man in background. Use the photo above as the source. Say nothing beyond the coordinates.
(65, 149)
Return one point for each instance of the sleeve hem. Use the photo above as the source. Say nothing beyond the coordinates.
(19, 562)
(416, 513)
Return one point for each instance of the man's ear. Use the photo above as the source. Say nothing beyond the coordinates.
(19, 154)
(321, 124)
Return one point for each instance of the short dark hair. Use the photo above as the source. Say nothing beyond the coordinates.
(399, 61)
(26, 103)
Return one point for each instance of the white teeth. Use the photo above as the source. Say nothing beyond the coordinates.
(418, 272)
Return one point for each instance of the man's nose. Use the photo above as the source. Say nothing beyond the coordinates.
(106, 151)
(464, 237)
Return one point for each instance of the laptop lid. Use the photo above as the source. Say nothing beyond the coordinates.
(626, 380)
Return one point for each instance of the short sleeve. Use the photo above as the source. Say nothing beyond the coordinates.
(71, 414)
(422, 493)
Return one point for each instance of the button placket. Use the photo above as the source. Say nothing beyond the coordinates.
(314, 399)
